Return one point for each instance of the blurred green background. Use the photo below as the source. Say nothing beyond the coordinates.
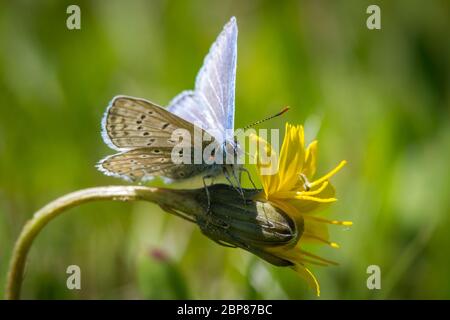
(379, 97)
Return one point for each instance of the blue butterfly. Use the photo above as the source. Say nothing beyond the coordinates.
(145, 133)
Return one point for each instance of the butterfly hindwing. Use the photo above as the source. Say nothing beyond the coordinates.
(146, 163)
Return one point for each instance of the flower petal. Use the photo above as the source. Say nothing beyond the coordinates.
(292, 156)
(307, 206)
(270, 182)
(309, 169)
(329, 174)
(306, 274)
(315, 232)
(323, 220)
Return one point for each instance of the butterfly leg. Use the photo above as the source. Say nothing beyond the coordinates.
(238, 183)
(237, 180)
(228, 177)
(241, 170)
(205, 185)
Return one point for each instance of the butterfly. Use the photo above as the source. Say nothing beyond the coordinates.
(145, 133)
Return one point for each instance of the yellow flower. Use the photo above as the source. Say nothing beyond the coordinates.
(292, 189)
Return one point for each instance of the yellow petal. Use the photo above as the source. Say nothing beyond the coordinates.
(285, 194)
(307, 206)
(313, 262)
(329, 174)
(323, 220)
(316, 199)
(316, 232)
(308, 276)
(309, 169)
(292, 157)
(270, 182)
(316, 257)
(313, 238)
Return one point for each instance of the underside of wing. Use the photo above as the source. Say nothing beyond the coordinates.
(144, 164)
(131, 123)
(147, 136)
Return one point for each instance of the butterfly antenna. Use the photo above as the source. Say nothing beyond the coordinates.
(268, 118)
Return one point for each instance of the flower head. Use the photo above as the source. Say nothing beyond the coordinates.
(293, 189)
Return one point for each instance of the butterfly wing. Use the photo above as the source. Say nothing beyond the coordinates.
(211, 105)
(144, 134)
(131, 123)
(144, 164)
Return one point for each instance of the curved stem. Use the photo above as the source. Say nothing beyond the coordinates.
(167, 199)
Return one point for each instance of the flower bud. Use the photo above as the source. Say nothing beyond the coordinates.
(235, 219)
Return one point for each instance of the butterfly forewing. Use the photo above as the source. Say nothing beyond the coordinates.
(132, 122)
(212, 101)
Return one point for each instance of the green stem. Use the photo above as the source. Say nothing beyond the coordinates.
(167, 199)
